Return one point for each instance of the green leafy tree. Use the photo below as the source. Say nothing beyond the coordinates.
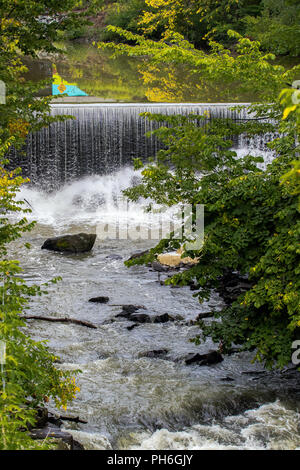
(28, 374)
(278, 27)
(251, 214)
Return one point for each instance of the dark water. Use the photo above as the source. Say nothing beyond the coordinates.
(129, 79)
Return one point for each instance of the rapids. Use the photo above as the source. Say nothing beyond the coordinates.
(129, 401)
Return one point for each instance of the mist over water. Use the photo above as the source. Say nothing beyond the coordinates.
(91, 199)
(131, 401)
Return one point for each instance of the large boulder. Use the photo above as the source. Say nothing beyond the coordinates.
(79, 243)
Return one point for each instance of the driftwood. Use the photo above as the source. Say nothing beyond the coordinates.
(60, 320)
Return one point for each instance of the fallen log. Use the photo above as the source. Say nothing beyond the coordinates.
(60, 320)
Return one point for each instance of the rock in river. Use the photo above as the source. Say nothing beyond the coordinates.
(155, 353)
(212, 357)
(79, 243)
(99, 300)
(163, 318)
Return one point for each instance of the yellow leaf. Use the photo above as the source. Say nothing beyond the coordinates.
(287, 111)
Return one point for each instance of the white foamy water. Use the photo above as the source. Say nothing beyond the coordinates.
(270, 427)
(92, 199)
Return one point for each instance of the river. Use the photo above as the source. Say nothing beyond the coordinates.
(78, 171)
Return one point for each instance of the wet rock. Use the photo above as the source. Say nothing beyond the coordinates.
(100, 300)
(41, 417)
(77, 445)
(232, 285)
(231, 351)
(140, 318)
(114, 257)
(143, 317)
(55, 433)
(200, 316)
(164, 318)
(131, 327)
(156, 266)
(212, 357)
(194, 286)
(129, 309)
(53, 419)
(138, 254)
(79, 243)
(254, 372)
(178, 317)
(155, 353)
(123, 315)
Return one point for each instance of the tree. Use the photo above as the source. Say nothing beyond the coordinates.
(198, 19)
(29, 376)
(251, 215)
(277, 28)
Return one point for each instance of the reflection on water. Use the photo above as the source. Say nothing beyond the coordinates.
(125, 79)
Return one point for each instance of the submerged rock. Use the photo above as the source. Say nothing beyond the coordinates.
(99, 300)
(203, 315)
(155, 353)
(129, 309)
(79, 243)
(114, 257)
(164, 318)
(131, 327)
(212, 357)
(140, 318)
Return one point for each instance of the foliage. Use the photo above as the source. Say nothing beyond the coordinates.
(28, 373)
(251, 226)
(198, 19)
(251, 214)
(180, 16)
(124, 14)
(278, 27)
(246, 69)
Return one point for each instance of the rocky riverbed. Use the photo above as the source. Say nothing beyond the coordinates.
(143, 384)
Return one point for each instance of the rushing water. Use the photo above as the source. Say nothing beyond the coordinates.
(104, 137)
(130, 401)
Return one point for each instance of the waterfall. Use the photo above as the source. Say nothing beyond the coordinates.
(101, 139)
